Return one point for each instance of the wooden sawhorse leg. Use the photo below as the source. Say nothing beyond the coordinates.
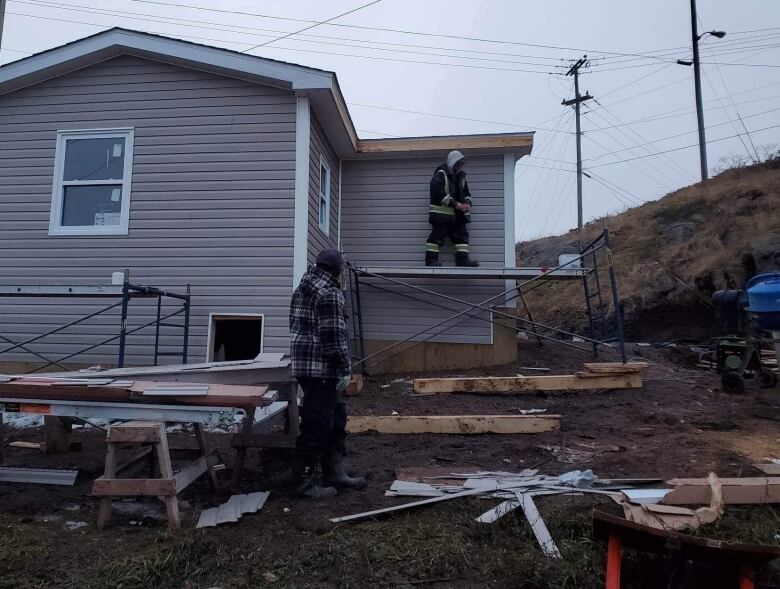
(205, 450)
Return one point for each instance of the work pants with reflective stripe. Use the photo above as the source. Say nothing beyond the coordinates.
(457, 232)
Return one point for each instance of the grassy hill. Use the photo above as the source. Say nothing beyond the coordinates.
(672, 254)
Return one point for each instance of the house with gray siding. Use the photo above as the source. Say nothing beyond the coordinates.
(193, 165)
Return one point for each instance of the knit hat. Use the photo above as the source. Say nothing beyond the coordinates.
(331, 260)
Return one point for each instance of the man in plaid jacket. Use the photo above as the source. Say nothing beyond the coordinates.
(321, 363)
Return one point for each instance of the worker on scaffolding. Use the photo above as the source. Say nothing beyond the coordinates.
(450, 211)
(322, 365)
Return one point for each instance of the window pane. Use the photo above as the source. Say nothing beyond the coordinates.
(94, 159)
(324, 180)
(91, 205)
(323, 213)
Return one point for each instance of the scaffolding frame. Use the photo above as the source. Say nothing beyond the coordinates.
(126, 292)
(597, 321)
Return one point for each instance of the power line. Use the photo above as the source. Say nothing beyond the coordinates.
(681, 148)
(391, 30)
(681, 134)
(317, 52)
(316, 24)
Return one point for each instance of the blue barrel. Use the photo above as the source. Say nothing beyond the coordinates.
(763, 293)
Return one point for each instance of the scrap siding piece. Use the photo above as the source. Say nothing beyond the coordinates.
(43, 476)
(232, 509)
(454, 424)
(537, 525)
(528, 384)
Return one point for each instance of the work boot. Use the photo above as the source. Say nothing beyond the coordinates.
(432, 259)
(333, 472)
(305, 481)
(462, 259)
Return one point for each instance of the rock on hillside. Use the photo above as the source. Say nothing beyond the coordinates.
(672, 254)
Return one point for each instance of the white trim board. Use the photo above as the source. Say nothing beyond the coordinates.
(216, 315)
(302, 165)
(510, 258)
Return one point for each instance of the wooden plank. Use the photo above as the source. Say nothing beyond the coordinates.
(193, 470)
(103, 487)
(513, 385)
(134, 432)
(537, 525)
(454, 424)
(614, 367)
(736, 491)
(444, 143)
(219, 395)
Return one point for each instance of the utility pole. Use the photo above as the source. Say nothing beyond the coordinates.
(574, 70)
(697, 82)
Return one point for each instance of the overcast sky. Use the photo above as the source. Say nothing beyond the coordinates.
(509, 80)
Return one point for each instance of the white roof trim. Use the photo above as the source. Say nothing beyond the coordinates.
(298, 77)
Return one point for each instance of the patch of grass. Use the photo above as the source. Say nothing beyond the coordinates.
(436, 547)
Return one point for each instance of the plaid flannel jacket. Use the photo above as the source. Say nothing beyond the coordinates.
(318, 330)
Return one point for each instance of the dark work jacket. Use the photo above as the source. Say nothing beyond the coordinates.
(446, 191)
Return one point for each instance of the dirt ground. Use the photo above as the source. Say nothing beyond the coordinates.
(679, 425)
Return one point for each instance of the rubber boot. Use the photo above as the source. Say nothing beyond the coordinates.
(432, 259)
(305, 481)
(462, 259)
(333, 472)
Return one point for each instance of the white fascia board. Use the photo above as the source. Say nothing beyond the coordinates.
(302, 164)
(299, 77)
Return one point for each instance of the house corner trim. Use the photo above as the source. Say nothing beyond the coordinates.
(301, 227)
(510, 259)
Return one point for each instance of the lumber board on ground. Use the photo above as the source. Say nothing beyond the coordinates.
(512, 385)
(453, 424)
(537, 525)
(614, 367)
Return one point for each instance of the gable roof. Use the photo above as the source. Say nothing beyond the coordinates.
(321, 86)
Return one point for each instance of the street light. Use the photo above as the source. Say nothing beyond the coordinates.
(695, 38)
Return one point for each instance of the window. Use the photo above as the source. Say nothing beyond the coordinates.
(91, 194)
(324, 197)
(234, 336)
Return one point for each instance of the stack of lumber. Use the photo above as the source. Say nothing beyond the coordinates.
(37, 388)
(593, 376)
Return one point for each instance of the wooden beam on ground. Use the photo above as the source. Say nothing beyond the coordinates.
(454, 424)
(513, 385)
(614, 367)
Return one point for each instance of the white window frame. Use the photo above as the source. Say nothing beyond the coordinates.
(58, 189)
(216, 316)
(324, 220)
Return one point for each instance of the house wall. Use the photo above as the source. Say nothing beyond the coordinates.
(321, 147)
(212, 203)
(385, 223)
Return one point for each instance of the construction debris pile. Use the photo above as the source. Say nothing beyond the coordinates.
(657, 508)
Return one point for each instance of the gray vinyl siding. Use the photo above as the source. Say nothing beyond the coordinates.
(212, 204)
(385, 223)
(321, 147)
